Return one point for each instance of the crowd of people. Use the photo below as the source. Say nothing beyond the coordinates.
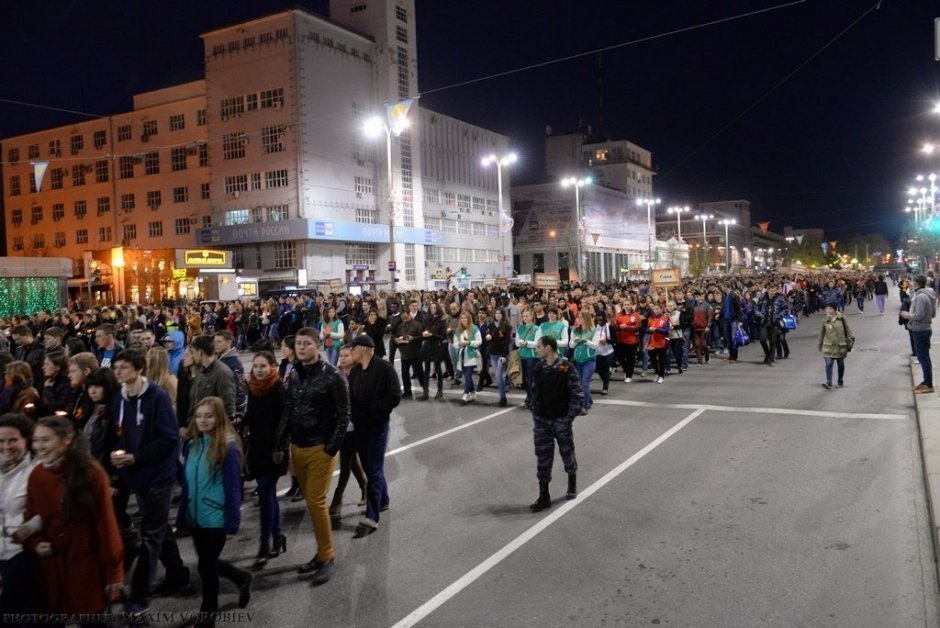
(105, 403)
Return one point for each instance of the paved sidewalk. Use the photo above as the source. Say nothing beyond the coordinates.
(928, 420)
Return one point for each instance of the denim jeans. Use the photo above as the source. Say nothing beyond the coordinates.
(922, 349)
(157, 543)
(270, 514)
(332, 354)
(528, 368)
(371, 444)
(687, 343)
(645, 358)
(731, 325)
(499, 368)
(468, 379)
(841, 364)
(585, 374)
(880, 302)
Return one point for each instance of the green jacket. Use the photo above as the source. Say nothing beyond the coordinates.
(834, 337)
(527, 333)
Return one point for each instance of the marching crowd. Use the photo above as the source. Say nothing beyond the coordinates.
(102, 404)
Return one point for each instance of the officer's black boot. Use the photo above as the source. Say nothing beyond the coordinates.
(440, 388)
(572, 486)
(424, 394)
(544, 501)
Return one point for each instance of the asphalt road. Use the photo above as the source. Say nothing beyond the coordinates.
(732, 495)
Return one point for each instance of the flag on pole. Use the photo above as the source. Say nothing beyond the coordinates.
(595, 236)
(825, 247)
(799, 239)
(39, 170)
(397, 115)
(833, 244)
(506, 222)
(764, 227)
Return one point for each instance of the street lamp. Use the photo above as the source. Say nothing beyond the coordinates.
(505, 160)
(678, 211)
(649, 202)
(727, 222)
(704, 218)
(577, 184)
(374, 127)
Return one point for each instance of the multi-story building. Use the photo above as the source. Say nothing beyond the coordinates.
(266, 159)
(616, 164)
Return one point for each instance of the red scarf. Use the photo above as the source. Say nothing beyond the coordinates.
(261, 387)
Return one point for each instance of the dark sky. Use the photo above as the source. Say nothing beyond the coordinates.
(834, 146)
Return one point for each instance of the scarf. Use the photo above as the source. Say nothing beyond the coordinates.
(261, 387)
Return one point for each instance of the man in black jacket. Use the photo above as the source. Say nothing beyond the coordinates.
(374, 391)
(408, 339)
(316, 414)
(29, 350)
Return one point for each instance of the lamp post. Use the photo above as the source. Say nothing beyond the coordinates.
(505, 160)
(374, 127)
(704, 218)
(789, 240)
(727, 222)
(649, 202)
(932, 199)
(678, 211)
(577, 184)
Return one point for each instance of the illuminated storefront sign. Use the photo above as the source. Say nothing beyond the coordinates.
(203, 258)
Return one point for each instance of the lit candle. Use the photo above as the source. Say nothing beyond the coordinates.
(118, 452)
(61, 413)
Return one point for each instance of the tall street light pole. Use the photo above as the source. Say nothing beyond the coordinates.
(727, 223)
(678, 211)
(577, 184)
(374, 127)
(650, 203)
(704, 218)
(505, 160)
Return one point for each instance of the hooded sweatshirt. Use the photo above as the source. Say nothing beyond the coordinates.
(176, 353)
(923, 310)
(147, 428)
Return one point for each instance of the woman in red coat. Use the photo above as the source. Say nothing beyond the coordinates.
(658, 324)
(70, 523)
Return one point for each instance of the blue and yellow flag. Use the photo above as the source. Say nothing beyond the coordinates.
(397, 114)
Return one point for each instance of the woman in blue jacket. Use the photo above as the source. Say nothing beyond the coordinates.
(210, 504)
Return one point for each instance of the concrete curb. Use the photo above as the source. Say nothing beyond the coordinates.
(928, 422)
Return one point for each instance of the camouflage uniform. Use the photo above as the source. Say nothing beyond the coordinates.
(556, 401)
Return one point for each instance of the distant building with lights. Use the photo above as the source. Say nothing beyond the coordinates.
(266, 160)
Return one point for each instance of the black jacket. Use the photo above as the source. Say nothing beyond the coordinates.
(410, 350)
(263, 418)
(316, 406)
(373, 394)
(33, 354)
(433, 346)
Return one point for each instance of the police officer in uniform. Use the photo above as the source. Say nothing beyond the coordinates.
(556, 401)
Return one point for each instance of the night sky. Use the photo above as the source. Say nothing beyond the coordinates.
(833, 146)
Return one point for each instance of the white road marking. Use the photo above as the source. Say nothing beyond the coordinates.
(474, 574)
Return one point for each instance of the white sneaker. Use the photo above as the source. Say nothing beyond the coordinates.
(643, 373)
(659, 380)
(465, 398)
(473, 396)
(626, 380)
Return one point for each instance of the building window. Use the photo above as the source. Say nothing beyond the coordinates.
(203, 155)
(154, 199)
(257, 214)
(538, 263)
(432, 223)
(16, 217)
(55, 148)
(207, 224)
(232, 106)
(150, 128)
(104, 234)
(130, 232)
(280, 33)
(285, 254)
(57, 180)
(77, 143)
(204, 191)
(255, 180)
(177, 159)
(32, 182)
(81, 236)
(180, 194)
(100, 138)
(152, 163)
(104, 205)
(155, 229)
(237, 183)
(271, 139)
(233, 145)
(15, 185)
(410, 262)
(124, 133)
(17, 243)
(39, 241)
(81, 209)
(363, 186)
(401, 34)
(251, 102)
(33, 151)
(128, 202)
(202, 117)
(403, 88)
(59, 239)
(36, 215)
(78, 174)
(181, 226)
(358, 253)
(248, 42)
(237, 217)
(272, 98)
(101, 171)
(218, 49)
(432, 196)
(178, 122)
(277, 213)
(366, 215)
(126, 168)
(58, 211)
(13, 156)
(401, 14)
(275, 179)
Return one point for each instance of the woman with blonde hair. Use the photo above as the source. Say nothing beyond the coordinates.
(158, 372)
